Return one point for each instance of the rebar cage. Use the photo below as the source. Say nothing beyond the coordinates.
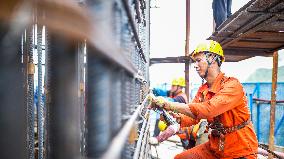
(73, 78)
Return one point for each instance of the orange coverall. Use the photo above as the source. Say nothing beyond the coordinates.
(224, 103)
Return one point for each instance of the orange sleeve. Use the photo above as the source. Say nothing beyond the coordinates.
(186, 121)
(230, 96)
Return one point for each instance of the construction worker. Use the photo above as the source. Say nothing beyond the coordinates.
(176, 92)
(222, 101)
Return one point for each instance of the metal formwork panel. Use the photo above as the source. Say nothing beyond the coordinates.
(98, 106)
(63, 111)
(13, 113)
(116, 101)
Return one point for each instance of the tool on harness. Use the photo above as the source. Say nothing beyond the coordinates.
(219, 131)
(187, 139)
(189, 135)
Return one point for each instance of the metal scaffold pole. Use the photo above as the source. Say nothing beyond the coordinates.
(187, 65)
(273, 103)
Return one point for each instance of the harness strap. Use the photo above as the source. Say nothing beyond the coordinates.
(218, 130)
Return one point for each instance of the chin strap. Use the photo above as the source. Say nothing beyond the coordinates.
(207, 54)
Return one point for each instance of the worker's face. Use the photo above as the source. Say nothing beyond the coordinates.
(174, 88)
(200, 64)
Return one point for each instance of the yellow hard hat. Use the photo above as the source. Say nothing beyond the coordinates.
(175, 82)
(181, 81)
(209, 46)
(162, 125)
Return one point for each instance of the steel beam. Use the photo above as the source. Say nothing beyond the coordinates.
(63, 110)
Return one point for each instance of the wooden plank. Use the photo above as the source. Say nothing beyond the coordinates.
(256, 44)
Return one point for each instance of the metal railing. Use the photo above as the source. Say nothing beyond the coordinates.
(119, 140)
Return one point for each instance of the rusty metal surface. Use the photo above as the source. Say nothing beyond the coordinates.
(13, 111)
(273, 103)
(257, 29)
(186, 64)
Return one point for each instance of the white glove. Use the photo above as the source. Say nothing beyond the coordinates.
(153, 141)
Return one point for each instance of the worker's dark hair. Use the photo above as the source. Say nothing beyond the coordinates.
(216, 57)
(219, 60)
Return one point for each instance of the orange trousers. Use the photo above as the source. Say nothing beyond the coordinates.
(203, 152)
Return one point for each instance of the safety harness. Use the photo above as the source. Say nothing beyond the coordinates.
(218, 130)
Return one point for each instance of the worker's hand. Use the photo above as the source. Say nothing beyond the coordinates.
(160, 101)
(151, 98)
(166, 106)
